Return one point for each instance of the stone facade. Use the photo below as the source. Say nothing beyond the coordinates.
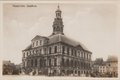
(56, 54)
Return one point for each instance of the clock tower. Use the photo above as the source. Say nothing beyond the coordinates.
(58, 23)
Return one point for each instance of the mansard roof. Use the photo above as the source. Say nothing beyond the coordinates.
(37, 37)
(28, 47)
(65, 39)
(60, 38)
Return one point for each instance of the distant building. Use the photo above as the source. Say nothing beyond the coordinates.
(56, 54)
(18, 68)
(8, 67)
(107, 68)
(103, 68)
(112, 66)
(99, 67)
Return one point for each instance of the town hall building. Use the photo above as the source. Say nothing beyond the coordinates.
(57, 54)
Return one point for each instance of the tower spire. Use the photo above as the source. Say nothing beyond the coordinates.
(58, 6)
(58, 24)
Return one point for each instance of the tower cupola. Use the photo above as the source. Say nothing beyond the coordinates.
(58, 23)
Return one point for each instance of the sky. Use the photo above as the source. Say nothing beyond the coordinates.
(92, 24)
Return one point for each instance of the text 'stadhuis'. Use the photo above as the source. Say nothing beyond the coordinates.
(56, 54)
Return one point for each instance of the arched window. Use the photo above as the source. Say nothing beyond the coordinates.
(55, 49)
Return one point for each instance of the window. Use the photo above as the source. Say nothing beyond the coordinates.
(71, 63)
(36, 51)
(36, 43)
(40, 42)
(33, 44)
(23, 54)
(89, 56)
(67, 62)
(40, 62)
(45, 50)
(40, 51)
(63, 63)
(27, 53)
(63, 49)
(81, 64)
(75, 71)
(49, 62)
(44, 62)
(31, 63)
(75, 53)
(75, 63)
(67, 50)
(55, 49)
(35, 62)
(82, 54)
(49, 50)
(28, 63)
(55, 62)
(72, 52)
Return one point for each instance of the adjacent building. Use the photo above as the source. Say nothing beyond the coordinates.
(108, 68)
(10, 68)
(99, 68)
(112, 66)
(56, 54)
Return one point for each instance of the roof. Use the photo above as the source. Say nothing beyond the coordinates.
(28, 47)
(65, 39)
(38, 37)
(60, 38)
(112, 59)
